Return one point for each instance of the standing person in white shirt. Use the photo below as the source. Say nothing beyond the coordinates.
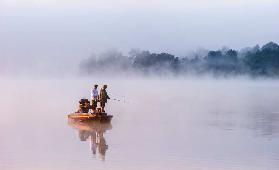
(94, 97)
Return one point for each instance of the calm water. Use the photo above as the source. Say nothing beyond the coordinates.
(158, 124)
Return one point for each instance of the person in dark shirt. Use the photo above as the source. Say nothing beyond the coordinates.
(103, 97)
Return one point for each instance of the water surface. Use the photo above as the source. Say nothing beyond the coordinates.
(158, 124)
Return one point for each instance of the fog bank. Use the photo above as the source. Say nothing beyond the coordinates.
(253, 61)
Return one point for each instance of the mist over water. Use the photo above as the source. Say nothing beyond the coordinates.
(214, 108)
(158, 123)
(253, 62)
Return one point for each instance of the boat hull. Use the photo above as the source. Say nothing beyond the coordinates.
(90, 117)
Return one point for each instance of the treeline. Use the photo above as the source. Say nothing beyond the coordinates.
(256, 61)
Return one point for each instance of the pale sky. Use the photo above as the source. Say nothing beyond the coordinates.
(67, 31)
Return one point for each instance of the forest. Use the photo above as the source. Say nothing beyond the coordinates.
(253, 61)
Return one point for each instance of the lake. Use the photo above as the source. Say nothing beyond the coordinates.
(158, 123)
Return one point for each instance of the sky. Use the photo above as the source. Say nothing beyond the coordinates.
(43, 33)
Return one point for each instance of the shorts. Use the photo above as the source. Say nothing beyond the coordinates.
(94, 103)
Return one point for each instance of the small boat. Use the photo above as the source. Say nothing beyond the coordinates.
(104, 117)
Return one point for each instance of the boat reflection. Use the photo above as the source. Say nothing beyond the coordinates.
(93, 131)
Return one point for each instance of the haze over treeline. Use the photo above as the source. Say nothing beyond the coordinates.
(253, 61)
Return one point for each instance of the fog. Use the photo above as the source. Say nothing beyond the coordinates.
(193, 84)
(44, 36)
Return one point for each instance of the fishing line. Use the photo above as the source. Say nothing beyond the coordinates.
(121, 98)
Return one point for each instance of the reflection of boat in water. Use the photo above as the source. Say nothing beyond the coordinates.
(94, 132)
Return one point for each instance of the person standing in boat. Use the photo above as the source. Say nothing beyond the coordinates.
(103, 97)
(94, 97)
